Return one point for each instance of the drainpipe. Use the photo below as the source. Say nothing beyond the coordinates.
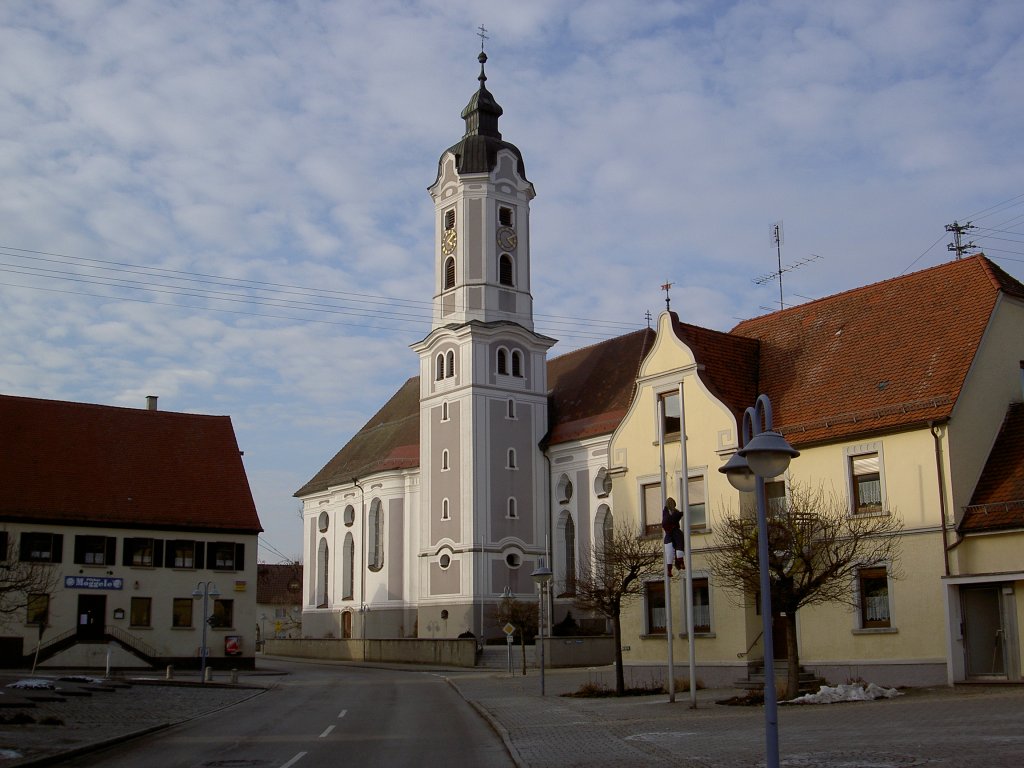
(936, 430)
(549, 560)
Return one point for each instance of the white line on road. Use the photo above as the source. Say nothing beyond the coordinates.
(327, 730)
(342, 713)
(294, 760)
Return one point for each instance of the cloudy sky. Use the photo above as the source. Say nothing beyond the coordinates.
(224, 203)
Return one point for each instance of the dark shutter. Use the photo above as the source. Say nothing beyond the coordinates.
(128, 550)
(239, 557)
(110, 556)
(80, 549)
(169, 557)
(158, 553)
(200, 550)
(58, 547)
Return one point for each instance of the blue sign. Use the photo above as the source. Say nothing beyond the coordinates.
(93, 582)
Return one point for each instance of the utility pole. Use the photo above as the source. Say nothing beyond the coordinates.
(958, 247)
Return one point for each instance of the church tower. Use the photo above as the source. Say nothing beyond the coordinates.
(483, 386)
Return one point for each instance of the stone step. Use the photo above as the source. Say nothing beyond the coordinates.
(496, 657)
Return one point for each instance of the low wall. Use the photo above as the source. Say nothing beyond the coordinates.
(456, 652)
(579, 651)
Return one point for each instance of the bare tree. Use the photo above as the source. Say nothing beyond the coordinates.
(522, 616)
(815, 548)
(21, 580)
(611, 573)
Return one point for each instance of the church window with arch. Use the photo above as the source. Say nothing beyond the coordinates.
(513, 508)
(512, 459)
(517, 363)
(375, 529)
(505, 270)
(502, 361)
(439, 367)
(444, 460)
(449, 273)
(510, 413)
(446, 509)
(449, 364)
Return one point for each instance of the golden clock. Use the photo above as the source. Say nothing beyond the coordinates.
(507, 239)
(448, 242)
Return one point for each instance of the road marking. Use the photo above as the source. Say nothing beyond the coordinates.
(342, 713)
(327, 730)
(294, 760)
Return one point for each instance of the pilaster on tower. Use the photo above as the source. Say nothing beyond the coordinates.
(482, 222)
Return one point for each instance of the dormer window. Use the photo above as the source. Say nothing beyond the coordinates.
(505, 270)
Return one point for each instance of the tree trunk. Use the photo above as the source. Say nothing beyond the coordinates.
(792, 657)
(620, 678)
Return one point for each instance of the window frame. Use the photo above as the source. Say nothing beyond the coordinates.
(134, 548)
(654, 600)
(501, 362)
(147, 603)
(446, 509)
(375, 531)
(222, 614)
(702, 477)
(179, 603)
(511, 459)
(95, 550)
(875, 572)
(506, 271)
(31, 549)
(512, 508)
(517, 363)
(651, 518)
(449, 273)
(701, 582)
(671, 425)
(864, 452)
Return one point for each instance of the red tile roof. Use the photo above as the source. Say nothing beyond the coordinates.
(998, 500)
(75, 463)
(880, 357)
(279, 584)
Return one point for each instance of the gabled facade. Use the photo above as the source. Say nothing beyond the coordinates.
(126, 513)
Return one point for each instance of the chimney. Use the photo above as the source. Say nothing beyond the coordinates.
(150, 402)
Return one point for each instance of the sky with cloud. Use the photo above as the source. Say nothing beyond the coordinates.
(224, 203)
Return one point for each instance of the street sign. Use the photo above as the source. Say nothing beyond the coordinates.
(509, 629)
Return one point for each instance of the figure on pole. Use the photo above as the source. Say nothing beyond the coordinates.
(675, 548)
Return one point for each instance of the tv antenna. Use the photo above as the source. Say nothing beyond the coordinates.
(777, 239)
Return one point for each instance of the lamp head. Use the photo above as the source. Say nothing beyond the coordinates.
(768, 454)
(741, 477)
(541, 576)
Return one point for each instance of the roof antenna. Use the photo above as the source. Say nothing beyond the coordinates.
(647, 315)
(668, 304)
(777, 240)
(958, 247)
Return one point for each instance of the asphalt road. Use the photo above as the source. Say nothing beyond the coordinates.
(325, 716)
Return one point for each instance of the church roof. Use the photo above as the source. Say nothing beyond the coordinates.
(74, 463)
(998, 500)
(884, 356)
(390, 440)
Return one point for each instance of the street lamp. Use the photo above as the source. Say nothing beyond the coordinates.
(765, 453)
(205, 590)
(541, 577)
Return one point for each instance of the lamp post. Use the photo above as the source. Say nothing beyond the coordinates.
(541, 576)
(205, 590)
(765, 453)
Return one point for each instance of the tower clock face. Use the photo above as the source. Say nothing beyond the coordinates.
(507, 239)
(448, 242)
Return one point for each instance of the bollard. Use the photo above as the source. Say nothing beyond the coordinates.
(234, 676)
(170, 672)
(209, 675)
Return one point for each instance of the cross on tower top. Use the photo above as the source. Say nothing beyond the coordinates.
(482, 34)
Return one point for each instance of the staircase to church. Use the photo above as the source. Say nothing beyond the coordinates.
(496, 657)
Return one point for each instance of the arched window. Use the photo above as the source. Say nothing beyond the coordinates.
(449, 273)
(348, 564)
(604, 525)
(511, 413)
(444, 460)
(602, 483)
(517, 363)
(511, 459)
(567, 537)
(505, 270)
(449, 364)
(563, 491)
(513, 511)
(446, 510)
(503, 362)
(323, 561)
(444, 411)
(323, 521)
(349, 515)
(375, 530)
(439, 368)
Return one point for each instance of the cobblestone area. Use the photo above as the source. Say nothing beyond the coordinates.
(81, 714)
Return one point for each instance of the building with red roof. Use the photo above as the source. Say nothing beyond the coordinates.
(122, 514)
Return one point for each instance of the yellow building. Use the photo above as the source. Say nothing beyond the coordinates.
(894, 394)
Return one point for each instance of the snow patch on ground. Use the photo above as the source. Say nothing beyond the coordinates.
(854, 692)
(34, 684)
